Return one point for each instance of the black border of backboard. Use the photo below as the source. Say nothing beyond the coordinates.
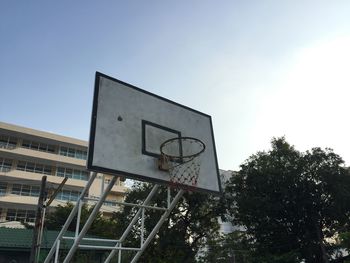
(99, 169)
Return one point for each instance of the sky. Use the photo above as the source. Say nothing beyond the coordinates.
(261, 69)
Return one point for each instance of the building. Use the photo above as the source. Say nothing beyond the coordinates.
(26, 155)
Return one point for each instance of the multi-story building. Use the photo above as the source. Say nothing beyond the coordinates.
(26, 155)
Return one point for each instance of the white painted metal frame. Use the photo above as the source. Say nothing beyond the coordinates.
(55, 246)
(79, 236)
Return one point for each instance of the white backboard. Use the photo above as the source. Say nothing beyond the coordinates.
(128, 126)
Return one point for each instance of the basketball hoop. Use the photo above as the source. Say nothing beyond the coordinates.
(180, 156)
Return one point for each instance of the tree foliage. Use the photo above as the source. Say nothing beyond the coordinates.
(230, 248)
(292, 204)
(102, 227)
(191, 223)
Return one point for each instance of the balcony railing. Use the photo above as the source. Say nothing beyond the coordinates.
(9, 146)
(5, 169)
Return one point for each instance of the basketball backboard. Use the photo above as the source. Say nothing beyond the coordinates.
(128, 126)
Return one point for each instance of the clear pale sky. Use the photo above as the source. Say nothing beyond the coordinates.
(261, 69)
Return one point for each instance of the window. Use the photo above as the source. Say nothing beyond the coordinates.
(21, 166)
(47, 170)
(34, 167)
(69, 172)
(26, 144)
(71, 152)
(5, 165)
(50, 148)
(72, 173)
(68, 195)
(109, 203)
(63, 151)
(80, 154)
(60, 172)
(38, 146)
(16, 189)
(43, 147)
(25, 190)
(30, 167)
(8, 142)
(3, 187)
(35, 191)
(34, 146)
(39, 168)
(20, 215)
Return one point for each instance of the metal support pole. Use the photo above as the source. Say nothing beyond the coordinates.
(94, 239)
(89, 221)
(129, 204)
(158, 225)
(169, 196)
(77, 226)
(70, 218)
(102, 184)
(108, 248)
(41, 230)
(38, 218)
(119, 253)
(57, 251)
(132, 223)
(142, 226)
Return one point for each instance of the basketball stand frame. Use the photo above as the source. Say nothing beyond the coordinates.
(118, 247)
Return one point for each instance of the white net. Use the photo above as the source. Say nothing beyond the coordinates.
(182, 157)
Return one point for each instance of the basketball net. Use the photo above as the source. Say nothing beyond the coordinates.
(183, 169)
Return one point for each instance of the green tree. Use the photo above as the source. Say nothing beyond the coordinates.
(292, 203)
(102, 227)
(185, 231)
(230, 248)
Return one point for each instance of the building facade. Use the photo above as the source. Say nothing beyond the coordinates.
(26, 155)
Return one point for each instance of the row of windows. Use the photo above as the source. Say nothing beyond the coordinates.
(25, 190)
(72, 173)
(20, 189)
(11, 143)
(71, 152)
(68, 195)
(34, 167)
(32, 190)
(38, 146)
(5, 165)
(20, 215)
(7, 142)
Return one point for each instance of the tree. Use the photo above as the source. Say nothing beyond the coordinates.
(230, 248)
(292, 204)
(102, 227)
(185, 231)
